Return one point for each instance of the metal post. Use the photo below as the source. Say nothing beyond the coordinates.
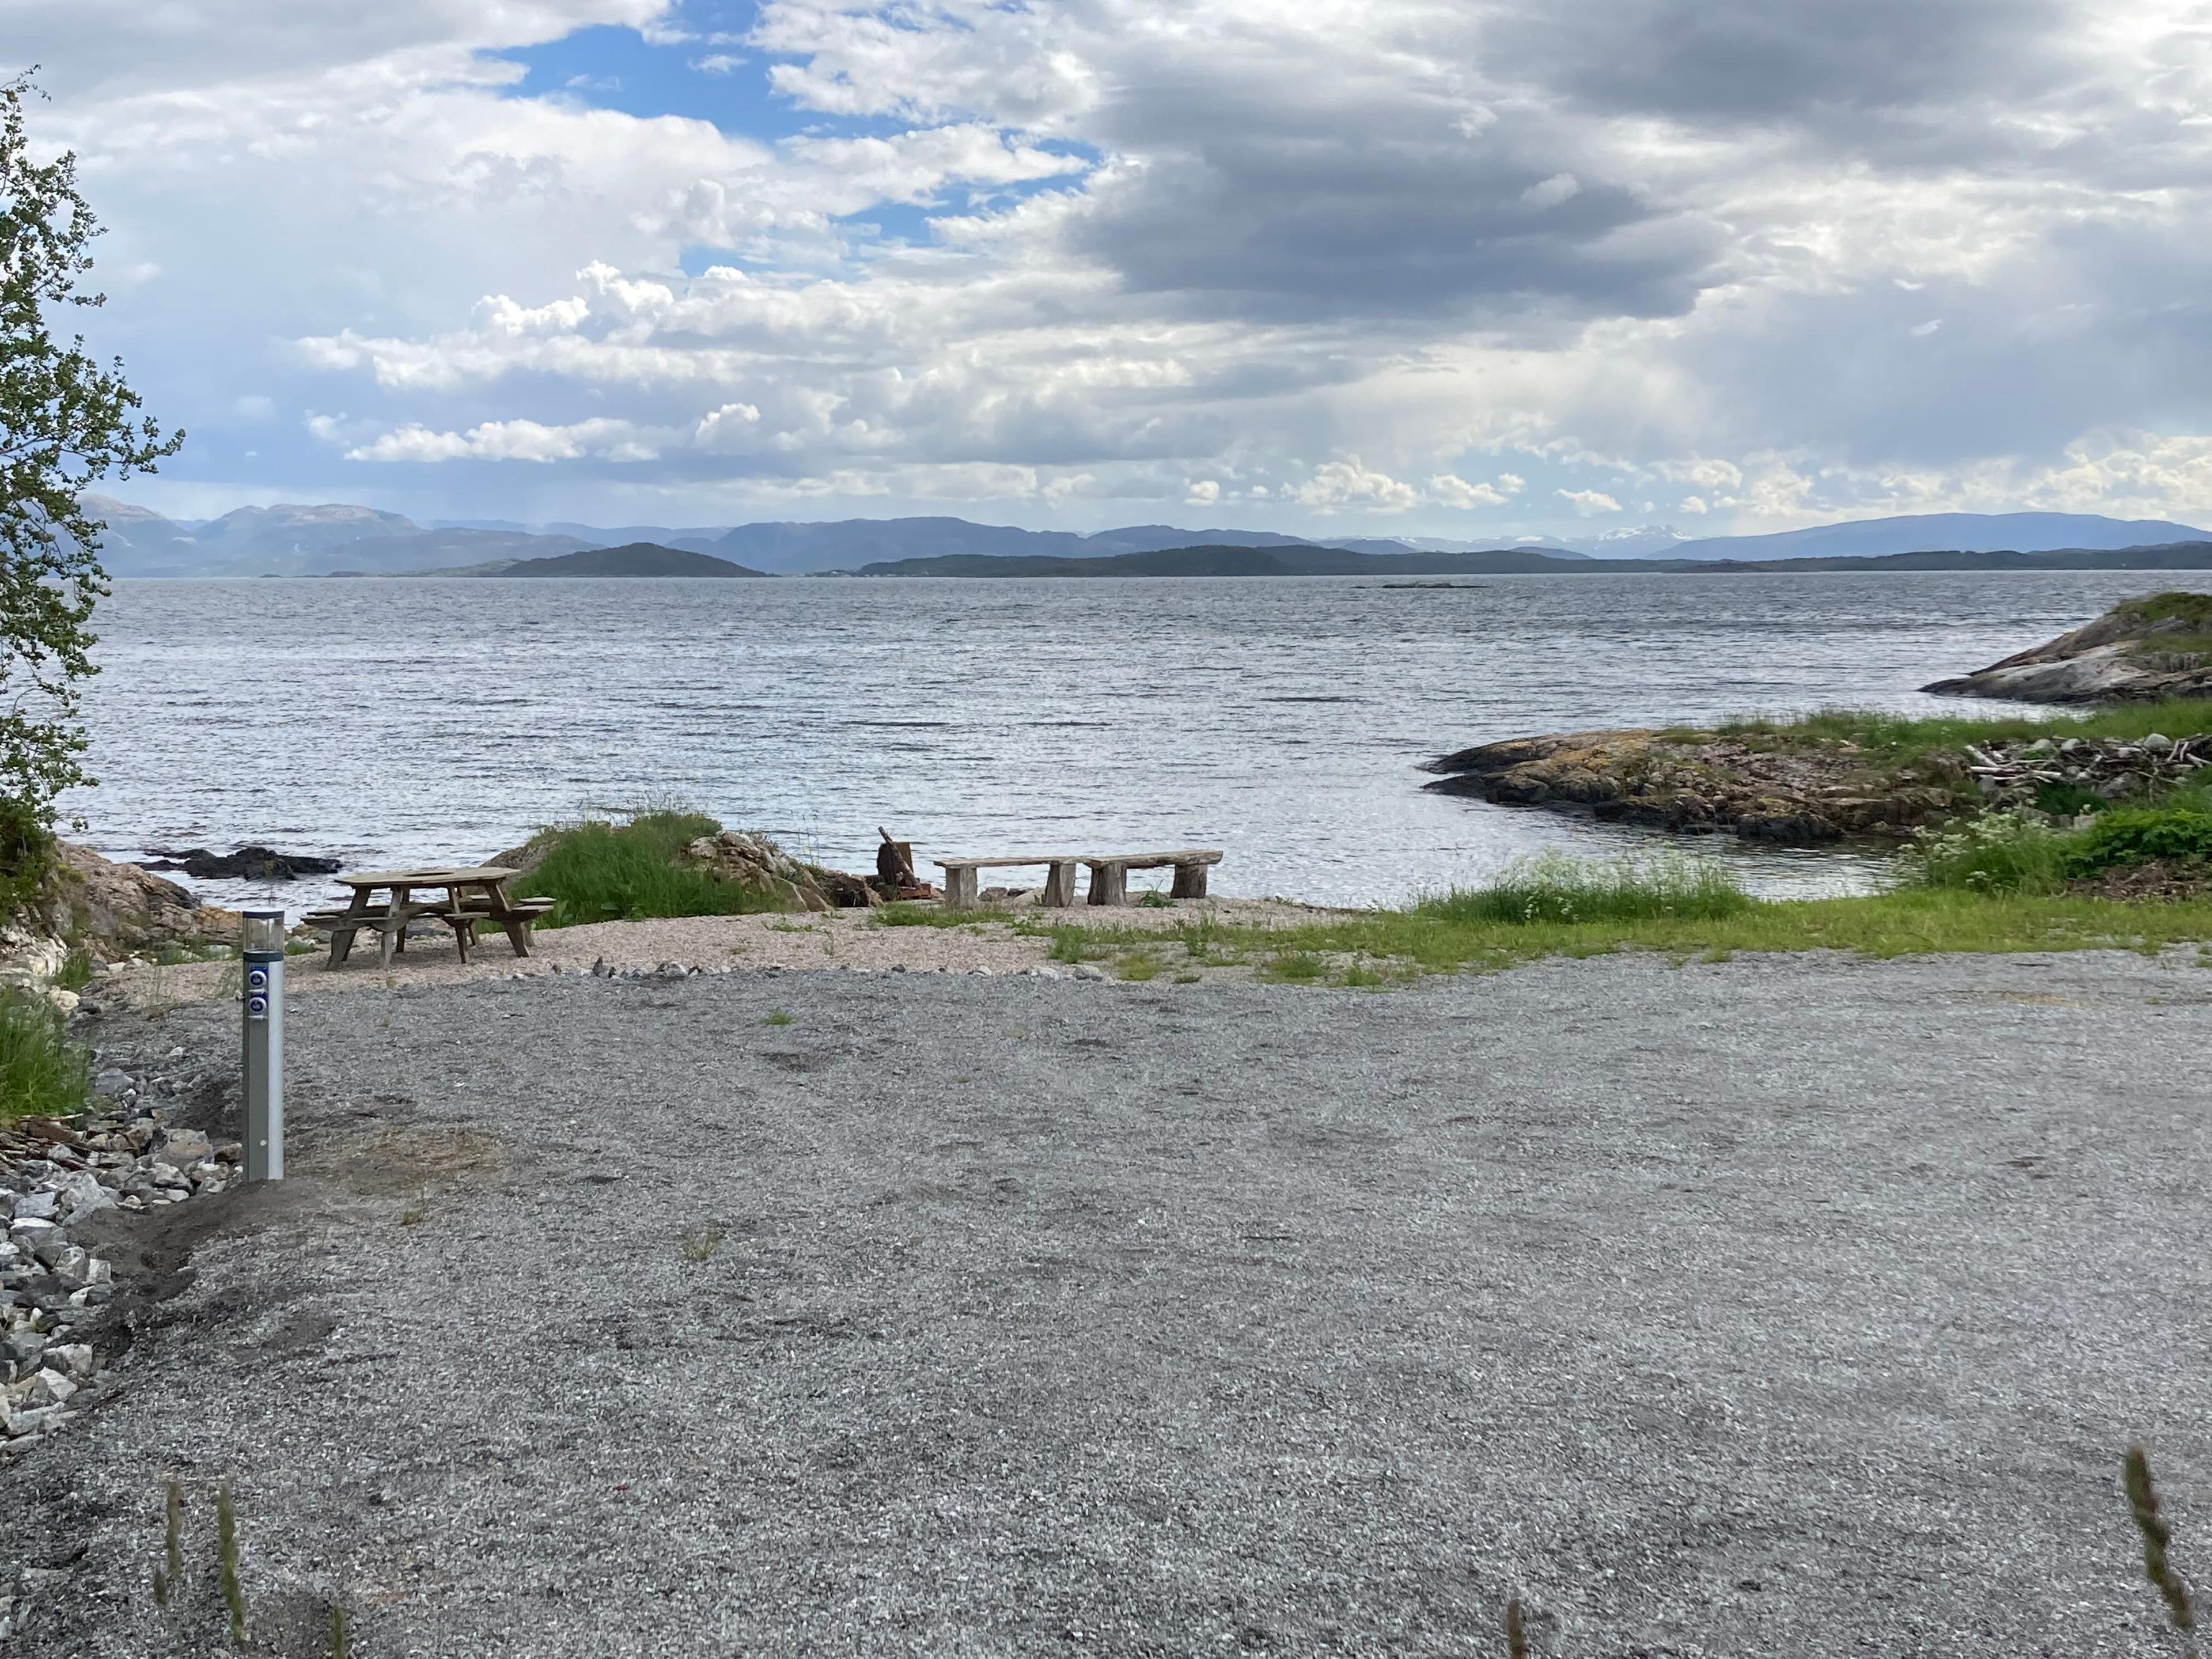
(261, 946)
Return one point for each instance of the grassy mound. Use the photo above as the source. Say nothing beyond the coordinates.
(1555, 887)
(42, 1072)
(628, 870)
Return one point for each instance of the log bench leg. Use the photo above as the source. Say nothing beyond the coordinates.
(517, 935)
(960, 890)
(341, 945)
(1189, 881)
(465, 934)
(1059, 886)
(1109, 883)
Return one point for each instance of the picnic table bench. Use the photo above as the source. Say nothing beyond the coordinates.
(1110, 874)
(472, 894)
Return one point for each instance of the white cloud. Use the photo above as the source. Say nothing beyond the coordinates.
(718, 62)
(1589, 501)
(1203, 493)
(1336, 486)
(1694, 505)
(512, 440)
(1922, 330)
(1454, 491)
(1550, 192)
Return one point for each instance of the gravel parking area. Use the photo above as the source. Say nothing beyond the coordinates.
(1777, 1306)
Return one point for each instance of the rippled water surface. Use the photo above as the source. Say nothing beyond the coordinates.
(402, 721)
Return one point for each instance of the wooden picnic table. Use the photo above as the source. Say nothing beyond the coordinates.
(472, 893)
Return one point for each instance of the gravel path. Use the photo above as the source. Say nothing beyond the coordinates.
(835, 941)
(1779, 1306)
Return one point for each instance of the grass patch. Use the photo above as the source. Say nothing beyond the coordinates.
(2193, 609)
(1137, 965)
(42, 1072)
(75, 971)
(627, 871)
(1900, 739)
(1441, 939)
(777, 1016)
(1556, 888)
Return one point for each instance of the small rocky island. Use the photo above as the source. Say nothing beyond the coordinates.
(1832, 776)
(2144, 650)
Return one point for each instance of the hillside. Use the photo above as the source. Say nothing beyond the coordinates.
(1972, 533)
(638, 559)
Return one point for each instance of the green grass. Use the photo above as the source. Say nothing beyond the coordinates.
(1558, 889)
(1899, 740)
(42, 1072)
(777, 1016)
(626, 872)
(1444, 939)
(2194, 609)
(75, 971)
(1137, 965)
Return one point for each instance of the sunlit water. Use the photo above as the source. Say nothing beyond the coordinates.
(404, 721)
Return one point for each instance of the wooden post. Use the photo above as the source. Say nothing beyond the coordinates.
(1109, 883)
(1189, 881)
(1060, 885)
(959, 886)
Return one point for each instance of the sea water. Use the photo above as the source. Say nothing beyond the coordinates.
(405, 721)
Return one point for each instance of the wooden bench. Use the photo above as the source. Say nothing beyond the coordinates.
(1110, 874)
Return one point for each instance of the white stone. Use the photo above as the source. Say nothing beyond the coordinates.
(80, 1194)
(73, 1359)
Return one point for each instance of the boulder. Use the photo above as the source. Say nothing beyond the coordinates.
(116, 908)
(756, 861)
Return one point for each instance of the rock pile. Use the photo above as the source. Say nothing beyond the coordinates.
(54, 1175)
(757, 862)
(2013, 774)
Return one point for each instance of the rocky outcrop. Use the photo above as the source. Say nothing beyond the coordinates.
(2141, 650)
(251, 863)
(115, 909)
(1703, 783)
(757, 862)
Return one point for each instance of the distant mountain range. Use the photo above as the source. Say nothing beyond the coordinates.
(322, 540)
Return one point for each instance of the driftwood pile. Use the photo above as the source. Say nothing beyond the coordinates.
(2012, 774)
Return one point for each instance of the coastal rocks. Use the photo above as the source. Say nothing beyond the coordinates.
(114, 909)
(54, 1176)
(247, 864)
(757, 862)
(2140, 650)
(1701, 783)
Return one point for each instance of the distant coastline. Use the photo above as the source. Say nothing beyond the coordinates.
(1230, 562)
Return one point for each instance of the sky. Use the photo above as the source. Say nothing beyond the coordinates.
(1461, 268)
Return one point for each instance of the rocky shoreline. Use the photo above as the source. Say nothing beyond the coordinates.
(2146, 650)
(1703, 783)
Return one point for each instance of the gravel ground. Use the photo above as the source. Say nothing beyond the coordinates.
(837, 940)
(1780, 1306)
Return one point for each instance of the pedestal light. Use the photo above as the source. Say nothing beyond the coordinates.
(261, 945)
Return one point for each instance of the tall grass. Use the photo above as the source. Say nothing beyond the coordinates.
(1554, 888)
(1899, 737)
(42, 1072)
(627, 871)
